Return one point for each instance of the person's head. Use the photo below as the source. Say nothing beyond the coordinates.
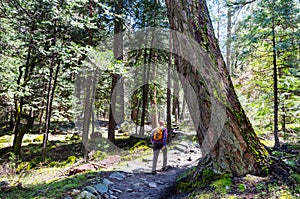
(162, 123)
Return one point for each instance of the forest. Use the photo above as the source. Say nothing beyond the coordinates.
(83, 83)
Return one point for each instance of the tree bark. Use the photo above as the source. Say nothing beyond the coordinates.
(154, 118)
(118, 104)
(227, 139)
(175, 104)
(19, 101)
(228, 42)
(50, 97)
(18, 140)
(275, 84)
(145, 89)
(169, 119)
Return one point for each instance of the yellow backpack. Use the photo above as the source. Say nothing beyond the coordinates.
(158, 134)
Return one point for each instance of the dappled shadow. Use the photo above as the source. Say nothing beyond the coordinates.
(57, 151)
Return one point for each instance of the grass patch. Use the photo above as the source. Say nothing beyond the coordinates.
(139, 146)
(55, 188)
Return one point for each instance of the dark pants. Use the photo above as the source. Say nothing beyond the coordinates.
(156, 150)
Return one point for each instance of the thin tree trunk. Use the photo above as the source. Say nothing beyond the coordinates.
(218, 21)
(18, 134)
(50, 97)
(182, 109)
(116, 102)
(87, 113)
(89, 86)
(228, 42)
(175, 104)
(275, 84)
(145, 89)
(154, 118)
(169, 119)
(227, 139)
(112, 122)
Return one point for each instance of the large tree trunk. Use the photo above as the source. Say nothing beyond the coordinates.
(227, 139)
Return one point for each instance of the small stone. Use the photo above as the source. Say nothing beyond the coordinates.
(86, 195)
(113, 197)
(117, 175)
(130, 174)
(137, 184)
(159, 182)
(74, 192)
(152, 185)
(129, 190)
(117, 190)
(101, 188)
(91, 190)
(107, 182)
(68, 197)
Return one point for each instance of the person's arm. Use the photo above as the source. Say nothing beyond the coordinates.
(151, 137)
(165, 136)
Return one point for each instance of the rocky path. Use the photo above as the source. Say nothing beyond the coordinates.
(134, 179)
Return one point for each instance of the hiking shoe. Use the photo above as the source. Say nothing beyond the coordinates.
(153, 172)
(164, 169)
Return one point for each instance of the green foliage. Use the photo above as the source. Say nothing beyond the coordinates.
(222, 185)
(260, 186)
(296, 178)
(35, 162)
(21, 167)
(38, 138)
(75, 137)
(53, 164)
(242, 187)
(254, 62)
(141, 145)
(71, 160)
(99, 155)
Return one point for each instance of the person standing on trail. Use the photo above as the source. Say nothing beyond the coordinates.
(159, 137)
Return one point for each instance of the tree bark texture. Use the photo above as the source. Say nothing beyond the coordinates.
(275, 84)
(117, 102)
(227, 139)
(229, 41)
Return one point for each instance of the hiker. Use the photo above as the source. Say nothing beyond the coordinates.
(159, 137)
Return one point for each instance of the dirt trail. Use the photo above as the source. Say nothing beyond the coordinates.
(133, 179)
